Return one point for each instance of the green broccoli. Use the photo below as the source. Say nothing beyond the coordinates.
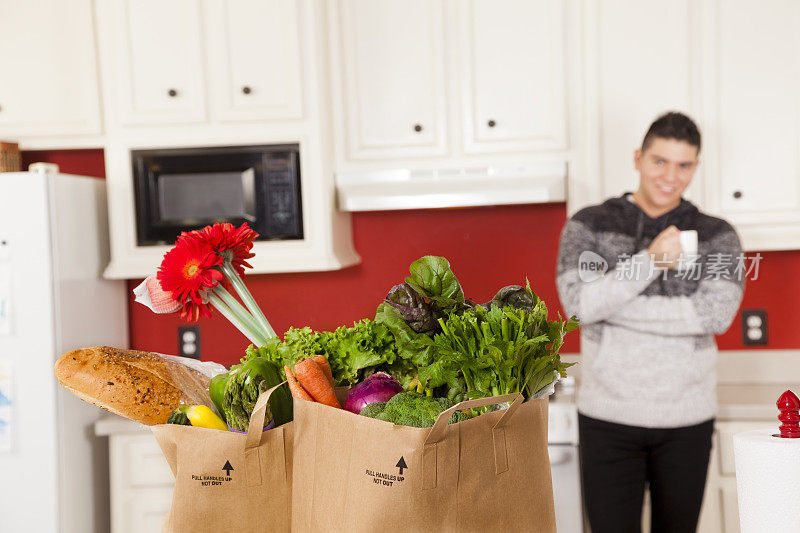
(412, 409)
(373, 409)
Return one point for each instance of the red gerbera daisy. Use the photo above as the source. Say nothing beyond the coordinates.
(187, 271)
(232, 243)
(192, 311)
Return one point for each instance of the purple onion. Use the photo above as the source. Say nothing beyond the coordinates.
(379, 387)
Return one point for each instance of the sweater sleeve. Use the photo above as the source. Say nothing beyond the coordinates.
(597, 299)
(709, 310)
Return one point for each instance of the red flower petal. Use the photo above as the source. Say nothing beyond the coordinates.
(228, 241)
(186, 271)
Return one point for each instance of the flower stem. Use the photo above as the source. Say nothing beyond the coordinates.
(240, 312)
(247, 298)
(233, 319)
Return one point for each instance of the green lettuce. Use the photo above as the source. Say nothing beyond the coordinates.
(353, 352)
(432, 277)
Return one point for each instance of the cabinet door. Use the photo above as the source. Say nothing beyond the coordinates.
(141, 483)
(48, 84)
(392, 68)
(145, 511)
(159, 62)
(758, 109)
(639, 60)
(254, 55)
(633, 87)
(512, 74)
(730, 506)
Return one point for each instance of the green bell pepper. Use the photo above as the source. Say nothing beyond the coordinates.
(216, 389)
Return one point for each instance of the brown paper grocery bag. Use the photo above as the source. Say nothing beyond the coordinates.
(489, 473)
(226, 481)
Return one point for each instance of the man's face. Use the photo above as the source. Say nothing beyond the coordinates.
(666, 168)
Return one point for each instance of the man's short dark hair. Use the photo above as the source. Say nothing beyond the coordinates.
(673, 125)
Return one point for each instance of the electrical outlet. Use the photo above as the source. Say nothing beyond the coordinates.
(189, 341)
(754, 327)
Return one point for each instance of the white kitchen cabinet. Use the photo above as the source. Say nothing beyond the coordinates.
(255, 44)
(444, 81)
(254, 59)
(733, 67)
(512, 75)
(453, 90)
(758, 87)
(48, 84)
(141, 482)
(640, 59)
(753, 115)
(158, 68)
(388, 56)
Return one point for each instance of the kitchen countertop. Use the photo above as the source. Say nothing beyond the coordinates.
(750, 402)
(749, 381)
(112, 424)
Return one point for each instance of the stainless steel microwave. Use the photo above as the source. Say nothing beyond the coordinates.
(188, 188)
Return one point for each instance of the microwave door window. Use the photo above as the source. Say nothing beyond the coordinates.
(249, 193)
(196, 198)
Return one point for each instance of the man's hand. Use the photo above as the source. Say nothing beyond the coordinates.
(666, 248)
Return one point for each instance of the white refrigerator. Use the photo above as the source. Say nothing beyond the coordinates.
(53, 249)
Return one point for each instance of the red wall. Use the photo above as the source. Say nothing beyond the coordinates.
(487, 247)
(80, 162)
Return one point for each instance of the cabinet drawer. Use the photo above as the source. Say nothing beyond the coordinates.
(138, 461)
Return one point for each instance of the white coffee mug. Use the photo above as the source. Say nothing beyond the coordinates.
(688, 240)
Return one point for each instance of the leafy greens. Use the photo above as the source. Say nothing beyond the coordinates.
(351, 351)
(498, 351)
(431, 339)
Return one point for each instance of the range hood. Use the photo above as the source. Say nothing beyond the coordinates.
(458, 187)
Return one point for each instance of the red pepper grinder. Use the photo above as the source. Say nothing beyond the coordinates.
(789, 404)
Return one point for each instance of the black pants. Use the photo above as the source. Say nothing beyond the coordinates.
(618, 460)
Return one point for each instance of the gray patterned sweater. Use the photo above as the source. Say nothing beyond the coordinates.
(647, 335)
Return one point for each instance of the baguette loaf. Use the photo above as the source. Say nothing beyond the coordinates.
(137, 385)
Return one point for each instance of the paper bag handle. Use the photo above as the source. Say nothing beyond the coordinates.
(256, 426)
(437, 431)
(498, 435)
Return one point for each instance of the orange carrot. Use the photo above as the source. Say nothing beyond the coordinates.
(325, 366)
(312, 378)
(294, 386)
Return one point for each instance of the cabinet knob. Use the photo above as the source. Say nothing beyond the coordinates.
(246, 90)
(172, 93)
(737, 194)
(418, 127)
(491, 123)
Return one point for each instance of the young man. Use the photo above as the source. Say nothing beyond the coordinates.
(647, 397)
